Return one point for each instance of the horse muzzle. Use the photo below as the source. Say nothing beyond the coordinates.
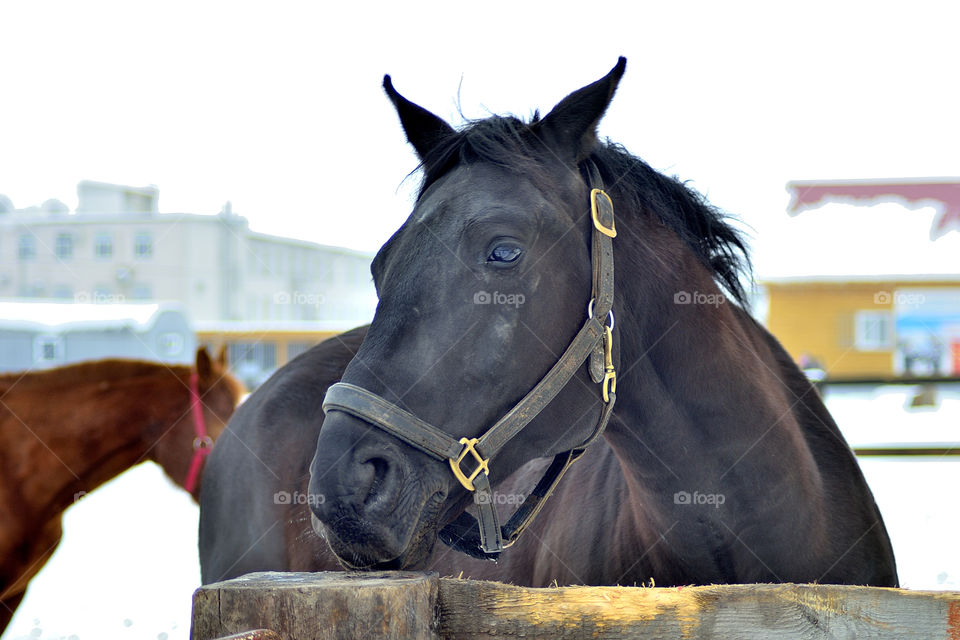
(373, 503)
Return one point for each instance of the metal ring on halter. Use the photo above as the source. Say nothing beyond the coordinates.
(203, 442)
(590, 313)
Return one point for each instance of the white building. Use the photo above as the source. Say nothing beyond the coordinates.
(117, 247)
(265, 298)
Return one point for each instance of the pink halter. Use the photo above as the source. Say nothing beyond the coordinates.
(202, 444)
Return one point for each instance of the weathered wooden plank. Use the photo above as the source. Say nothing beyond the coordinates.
(473, 610)
(319, 606)
(304, 606)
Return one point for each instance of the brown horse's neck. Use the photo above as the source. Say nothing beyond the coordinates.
(66, 432)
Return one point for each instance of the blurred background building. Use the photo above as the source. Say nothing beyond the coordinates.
(882, 295)
(266, 298)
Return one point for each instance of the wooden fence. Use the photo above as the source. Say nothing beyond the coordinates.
(411, 605)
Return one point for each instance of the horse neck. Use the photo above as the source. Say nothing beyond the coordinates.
(699, 390)
(100, 427)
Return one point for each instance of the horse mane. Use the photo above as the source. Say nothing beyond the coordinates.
(509, 142)
(88, 372)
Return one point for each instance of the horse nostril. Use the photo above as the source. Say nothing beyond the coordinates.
(380, 468)
(380, 472)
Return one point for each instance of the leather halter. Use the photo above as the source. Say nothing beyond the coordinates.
(483, 537)
(202, 443)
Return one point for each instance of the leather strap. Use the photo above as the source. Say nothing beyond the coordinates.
(465, 533)
(368, 406)
(546, 390)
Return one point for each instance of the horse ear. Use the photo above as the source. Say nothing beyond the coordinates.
(570, 129)
(424, 130)
(222, 361)
(204, 365)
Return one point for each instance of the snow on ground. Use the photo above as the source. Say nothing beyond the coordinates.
(125, 569)
(127, 566)
(916, 495)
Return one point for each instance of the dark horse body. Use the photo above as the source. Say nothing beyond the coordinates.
(720, 463)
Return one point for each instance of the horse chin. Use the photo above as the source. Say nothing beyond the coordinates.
(372, 552)
(353, 557)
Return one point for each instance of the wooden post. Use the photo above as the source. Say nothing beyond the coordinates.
(299, 606)
(329, 605)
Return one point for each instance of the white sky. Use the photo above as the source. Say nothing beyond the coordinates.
(277, 106)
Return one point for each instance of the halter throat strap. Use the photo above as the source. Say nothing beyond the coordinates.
(483, 537)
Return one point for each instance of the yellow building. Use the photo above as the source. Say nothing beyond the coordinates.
(826, 300)
(256, 350)
(869, 327)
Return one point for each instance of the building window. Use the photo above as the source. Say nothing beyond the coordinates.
(141, 292)
(103, 246)
(34, 290)
(872, 331)
(252, 362)
(64, 246)
(63, 291)
(296, 348)
(143, 245)
(27, 248)
(47, 349)
(103, 294)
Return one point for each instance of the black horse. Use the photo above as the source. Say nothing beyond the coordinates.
(719, 464)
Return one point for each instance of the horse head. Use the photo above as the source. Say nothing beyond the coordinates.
(212, 396)
(482, 292)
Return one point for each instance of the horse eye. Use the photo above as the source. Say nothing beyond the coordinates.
(504, 253)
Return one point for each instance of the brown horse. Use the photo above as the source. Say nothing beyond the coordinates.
(66, 431)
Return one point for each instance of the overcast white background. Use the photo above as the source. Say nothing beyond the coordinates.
(278, 107)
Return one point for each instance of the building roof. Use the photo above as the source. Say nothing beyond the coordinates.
(54, 317)
(859, 230)
(941, 193)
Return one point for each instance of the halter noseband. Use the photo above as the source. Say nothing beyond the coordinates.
(202, 443)
(483, 537)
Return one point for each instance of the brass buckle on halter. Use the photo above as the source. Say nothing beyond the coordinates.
(610, 231)
(482, 465)
(609, 373)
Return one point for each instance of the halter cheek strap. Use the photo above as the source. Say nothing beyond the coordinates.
(202, 443)
(482, 537)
